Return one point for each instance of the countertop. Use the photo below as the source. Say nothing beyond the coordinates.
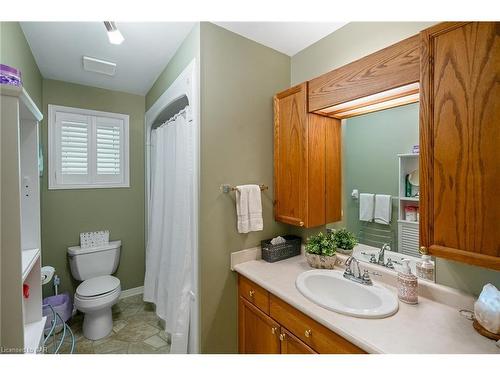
(429, 327)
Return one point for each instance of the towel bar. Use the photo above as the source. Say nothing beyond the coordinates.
(228, 188)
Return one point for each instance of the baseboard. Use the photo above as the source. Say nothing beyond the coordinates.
(132, 292)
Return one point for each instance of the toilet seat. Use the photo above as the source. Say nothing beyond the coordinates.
(97, 287)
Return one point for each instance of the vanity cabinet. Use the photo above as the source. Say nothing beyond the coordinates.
(290, 344)
(307, 168)
(459, 133)
(268, 325)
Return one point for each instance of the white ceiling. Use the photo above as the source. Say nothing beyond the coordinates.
(58, 48)
(286, 37)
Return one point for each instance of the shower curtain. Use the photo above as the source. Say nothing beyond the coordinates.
(170, 248)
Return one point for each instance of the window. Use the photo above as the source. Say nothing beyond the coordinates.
(87, 149)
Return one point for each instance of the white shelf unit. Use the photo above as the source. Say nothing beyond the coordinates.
(22, 323)
(408, 231)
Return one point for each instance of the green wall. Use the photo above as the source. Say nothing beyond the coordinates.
(189, 49)
(351, 42)
(66, 213)
(15, 52)
(370, 146)
(238, 80)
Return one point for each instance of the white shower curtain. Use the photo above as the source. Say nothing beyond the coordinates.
(170, 248)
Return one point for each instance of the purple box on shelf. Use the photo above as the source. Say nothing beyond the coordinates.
(10, 76)
(416, 149)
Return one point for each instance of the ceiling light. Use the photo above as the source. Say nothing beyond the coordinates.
(114, 35)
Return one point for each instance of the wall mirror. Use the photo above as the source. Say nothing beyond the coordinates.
(380, 183)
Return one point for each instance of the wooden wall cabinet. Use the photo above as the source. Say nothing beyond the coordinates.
(307, 166)
(275, 327)
(459, 135)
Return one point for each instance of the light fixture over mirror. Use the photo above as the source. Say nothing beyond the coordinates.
(383, 100)
(114, 35)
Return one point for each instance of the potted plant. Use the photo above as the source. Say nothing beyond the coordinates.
(320, 251)
(345, 241)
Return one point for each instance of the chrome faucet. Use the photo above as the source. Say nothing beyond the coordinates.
(350, 275)
(381, 254)
(380, 258)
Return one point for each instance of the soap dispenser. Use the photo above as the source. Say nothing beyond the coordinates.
(425, 268)
(407, 284)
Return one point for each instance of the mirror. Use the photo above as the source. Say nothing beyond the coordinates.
(381, 183)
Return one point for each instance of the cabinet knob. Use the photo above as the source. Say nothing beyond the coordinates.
(301, 224)
(273, 330)
(308, 333)
(282, 337)
(251, 293)
(423, 250)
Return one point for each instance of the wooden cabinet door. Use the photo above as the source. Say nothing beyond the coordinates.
(258, 333)
(290, 156)
(292, 345)
(459, 142)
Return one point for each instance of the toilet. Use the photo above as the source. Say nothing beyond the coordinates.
(99, 291)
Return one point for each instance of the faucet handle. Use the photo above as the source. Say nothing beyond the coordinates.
(389, 263)
(373, 259)
(366, 277)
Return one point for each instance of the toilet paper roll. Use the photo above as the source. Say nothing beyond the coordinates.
(47, 274)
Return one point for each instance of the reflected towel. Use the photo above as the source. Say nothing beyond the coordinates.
(383, 209)
(249, 208)
(366, 206)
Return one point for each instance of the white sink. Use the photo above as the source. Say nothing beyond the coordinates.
(331, 290)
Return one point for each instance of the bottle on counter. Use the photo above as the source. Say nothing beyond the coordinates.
(425, 268)
(407, 284)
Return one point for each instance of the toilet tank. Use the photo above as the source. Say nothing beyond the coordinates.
(95, 261)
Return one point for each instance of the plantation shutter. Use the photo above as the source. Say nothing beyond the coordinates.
(87, 149)
(73, 148)
(109, 149)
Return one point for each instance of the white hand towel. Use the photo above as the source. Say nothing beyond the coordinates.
(366, 206)
(249, 208)
(383, 209)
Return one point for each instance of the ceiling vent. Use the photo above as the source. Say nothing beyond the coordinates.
(99, 66)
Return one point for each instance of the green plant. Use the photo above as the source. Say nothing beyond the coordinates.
(344, 239)
(321, 244)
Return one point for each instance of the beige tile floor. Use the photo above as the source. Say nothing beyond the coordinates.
(136, 330)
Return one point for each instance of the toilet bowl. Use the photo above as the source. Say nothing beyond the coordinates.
(99, 291)
(95, 297)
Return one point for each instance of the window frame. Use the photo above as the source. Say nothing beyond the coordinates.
(94, 181)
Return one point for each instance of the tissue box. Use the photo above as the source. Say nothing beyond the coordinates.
(272, 253)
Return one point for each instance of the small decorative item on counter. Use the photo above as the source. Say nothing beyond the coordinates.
(487, 312)
(425, 268)
(320, 251)
(280, 248)
(345, 241)
(10, 76)
(407, 284)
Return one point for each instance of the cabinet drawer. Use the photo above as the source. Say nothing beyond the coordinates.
(318, 337)
(254, 293)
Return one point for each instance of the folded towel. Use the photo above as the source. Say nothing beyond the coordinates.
(383, 209)
(366, 206)
(249, 208)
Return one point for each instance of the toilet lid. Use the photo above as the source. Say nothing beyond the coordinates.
(98, 285)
